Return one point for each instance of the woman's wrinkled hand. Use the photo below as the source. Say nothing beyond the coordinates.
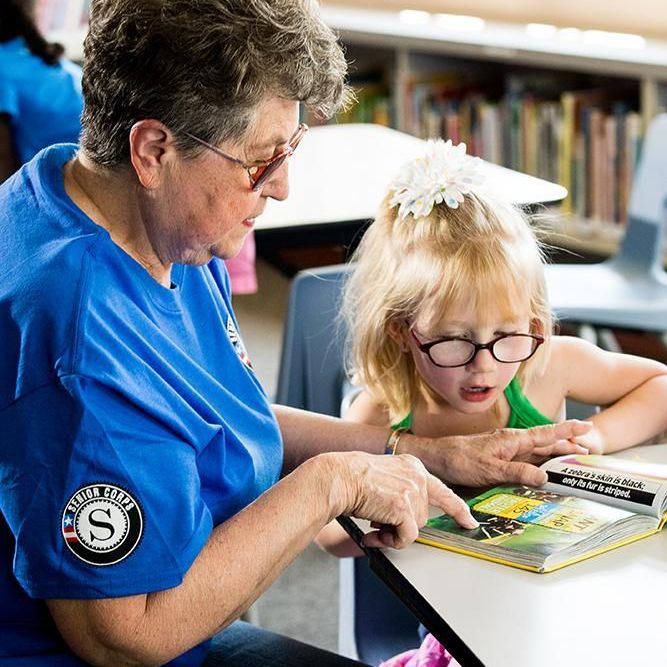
(505, 455)
(394, 494)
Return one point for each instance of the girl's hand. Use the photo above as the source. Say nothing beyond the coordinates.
(393, 492)
(593, 441)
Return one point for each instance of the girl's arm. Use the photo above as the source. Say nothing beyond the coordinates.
(366, 410)
(634, 388)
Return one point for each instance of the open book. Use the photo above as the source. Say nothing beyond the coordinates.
(591, 504)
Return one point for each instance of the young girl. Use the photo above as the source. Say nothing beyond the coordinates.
(451, 331)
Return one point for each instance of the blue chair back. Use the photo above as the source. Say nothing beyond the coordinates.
(311, 366)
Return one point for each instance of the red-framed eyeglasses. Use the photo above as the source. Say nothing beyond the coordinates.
(259, 172)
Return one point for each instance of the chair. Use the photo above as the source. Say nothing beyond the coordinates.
(630, 289)
(311, 371)
(373, 623)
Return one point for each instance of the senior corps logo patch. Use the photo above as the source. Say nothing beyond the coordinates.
(102, 524)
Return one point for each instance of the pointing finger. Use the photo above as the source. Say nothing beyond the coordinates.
(443, 497)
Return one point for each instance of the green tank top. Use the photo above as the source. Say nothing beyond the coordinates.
(523, 414)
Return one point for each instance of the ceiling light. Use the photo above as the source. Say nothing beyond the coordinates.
(541, 30)
(460, 22)
(414, 16)
(621, 40)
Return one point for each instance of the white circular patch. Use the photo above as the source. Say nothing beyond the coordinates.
(102, 524)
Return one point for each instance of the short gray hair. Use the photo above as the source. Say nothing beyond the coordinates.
(202, 66)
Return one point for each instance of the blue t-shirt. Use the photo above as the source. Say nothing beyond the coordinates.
(131, 420)
(44, 102)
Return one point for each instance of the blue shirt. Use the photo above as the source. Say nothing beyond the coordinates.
(44, 102)
(131, 420)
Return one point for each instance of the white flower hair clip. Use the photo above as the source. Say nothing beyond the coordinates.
(444, 174)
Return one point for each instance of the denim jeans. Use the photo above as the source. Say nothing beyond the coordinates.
(245, 645)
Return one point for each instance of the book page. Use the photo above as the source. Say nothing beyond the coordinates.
(523, 525)
(630, 485)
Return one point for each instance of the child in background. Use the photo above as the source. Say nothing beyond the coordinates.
(450, 329)
(40, 91)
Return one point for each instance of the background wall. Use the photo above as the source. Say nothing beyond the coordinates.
(646, 17)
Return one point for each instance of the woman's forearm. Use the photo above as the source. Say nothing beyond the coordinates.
(245, 554)
(241, 559)
(306, 434)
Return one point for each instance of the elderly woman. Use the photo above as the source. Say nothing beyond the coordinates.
(148, 492)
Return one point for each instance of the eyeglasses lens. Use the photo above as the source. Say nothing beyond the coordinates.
(452, 352)
(509, 349)
(514, 348)
(262, 173)
(259, 175)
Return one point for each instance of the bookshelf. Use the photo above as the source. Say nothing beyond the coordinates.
(394, 53)
(404, 61)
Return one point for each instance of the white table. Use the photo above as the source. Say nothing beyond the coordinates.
(340, 173)
(610, 610)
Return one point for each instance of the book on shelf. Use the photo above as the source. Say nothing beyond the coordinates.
(600, 161)
(583, 132)
(372, 102)
(590, 504)
(433, 104)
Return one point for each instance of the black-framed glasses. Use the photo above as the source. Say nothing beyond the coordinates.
(453, 351)
(259, 172)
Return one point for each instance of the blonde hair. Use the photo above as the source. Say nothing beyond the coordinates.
(482, 253)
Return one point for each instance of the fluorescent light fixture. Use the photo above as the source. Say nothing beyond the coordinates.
(541, 30)
(621, 40)
(461, 22)
(569, 34)
(414, 16)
